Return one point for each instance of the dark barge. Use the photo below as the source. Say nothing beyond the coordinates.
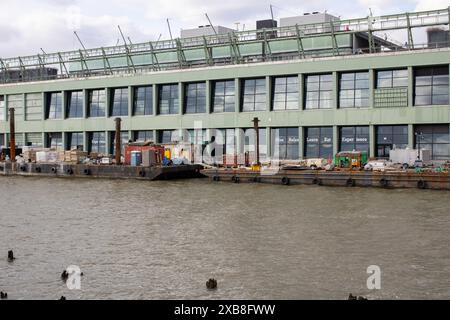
(101, 171)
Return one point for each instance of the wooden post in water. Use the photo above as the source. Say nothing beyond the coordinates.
(118, 141)
(12, 135)
(256, 126)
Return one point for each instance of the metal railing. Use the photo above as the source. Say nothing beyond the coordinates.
(64, 61)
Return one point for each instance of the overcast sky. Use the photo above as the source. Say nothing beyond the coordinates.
(28, 25)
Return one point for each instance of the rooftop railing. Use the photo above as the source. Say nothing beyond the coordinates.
(283, 43)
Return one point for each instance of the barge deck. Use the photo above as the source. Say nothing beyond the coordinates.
(100, 171)
(390, 179)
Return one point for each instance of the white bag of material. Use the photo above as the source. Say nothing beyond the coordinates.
(41, 156)
(52, 156)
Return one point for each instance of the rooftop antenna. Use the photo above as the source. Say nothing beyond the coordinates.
(237, 25)
(170, 31)
(210, 23)
(79, 40)
(43, 51)
(129, 40)
(271, 14)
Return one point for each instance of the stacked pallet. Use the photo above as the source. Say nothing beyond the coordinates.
(29, 153)
(75, 156)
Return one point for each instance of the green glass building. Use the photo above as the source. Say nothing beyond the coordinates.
(317, 88)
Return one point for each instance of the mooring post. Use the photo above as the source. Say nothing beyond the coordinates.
(256, 126)
(118, 141)
(12, 135)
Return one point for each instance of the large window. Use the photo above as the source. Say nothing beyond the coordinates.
(119, 101)
(354, 138)
(285, 143)
(124, 138)
(143, 101)
(54, 140)
(168, 99)
(431, 86)
(223, 96)
(319, 142)
(75, 104)
(354, 90)
(389, 137)
(16, 101)
(34, 139)
(54, 105)
(143, 136)
(97, 142)
(167, 136)
(225, 139)
(195, 97)
(97, 103)
(392, 78)
(75, 140)
(254, 94)
(285, 93)
(319, 91)
(33, 107)
(250, 143)
(435, 138)
(2, 108)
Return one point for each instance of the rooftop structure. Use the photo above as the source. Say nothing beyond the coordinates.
(316, 35)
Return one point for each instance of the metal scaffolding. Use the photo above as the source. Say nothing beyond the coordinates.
(152, 56)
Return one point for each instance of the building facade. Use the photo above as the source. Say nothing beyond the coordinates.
(308, 107)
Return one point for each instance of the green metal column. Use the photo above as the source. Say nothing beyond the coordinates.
(85, 104)
(63, 104)
(237, 97)
(269, 142)
(130, 101)
(335, 140)
(44, 142)
(268, 93)
(85, 141)
(411, 136)
(239, 141)
(107, 142)
(371, 88)
(301, 92)
(155, 100)
(23, 108)
(301, 143)
(63, 140)
(410, 86)
(108, 102)
(335, 89)
(372, 140)
(44, 107)
(180, 98)
(208, 96)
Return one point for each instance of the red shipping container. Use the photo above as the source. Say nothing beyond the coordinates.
(159, 150)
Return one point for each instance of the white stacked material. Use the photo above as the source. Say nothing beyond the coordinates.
(41, 156)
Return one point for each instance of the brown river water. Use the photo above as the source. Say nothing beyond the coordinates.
(163, 240)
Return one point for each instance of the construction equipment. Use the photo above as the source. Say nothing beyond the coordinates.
(350, 159)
